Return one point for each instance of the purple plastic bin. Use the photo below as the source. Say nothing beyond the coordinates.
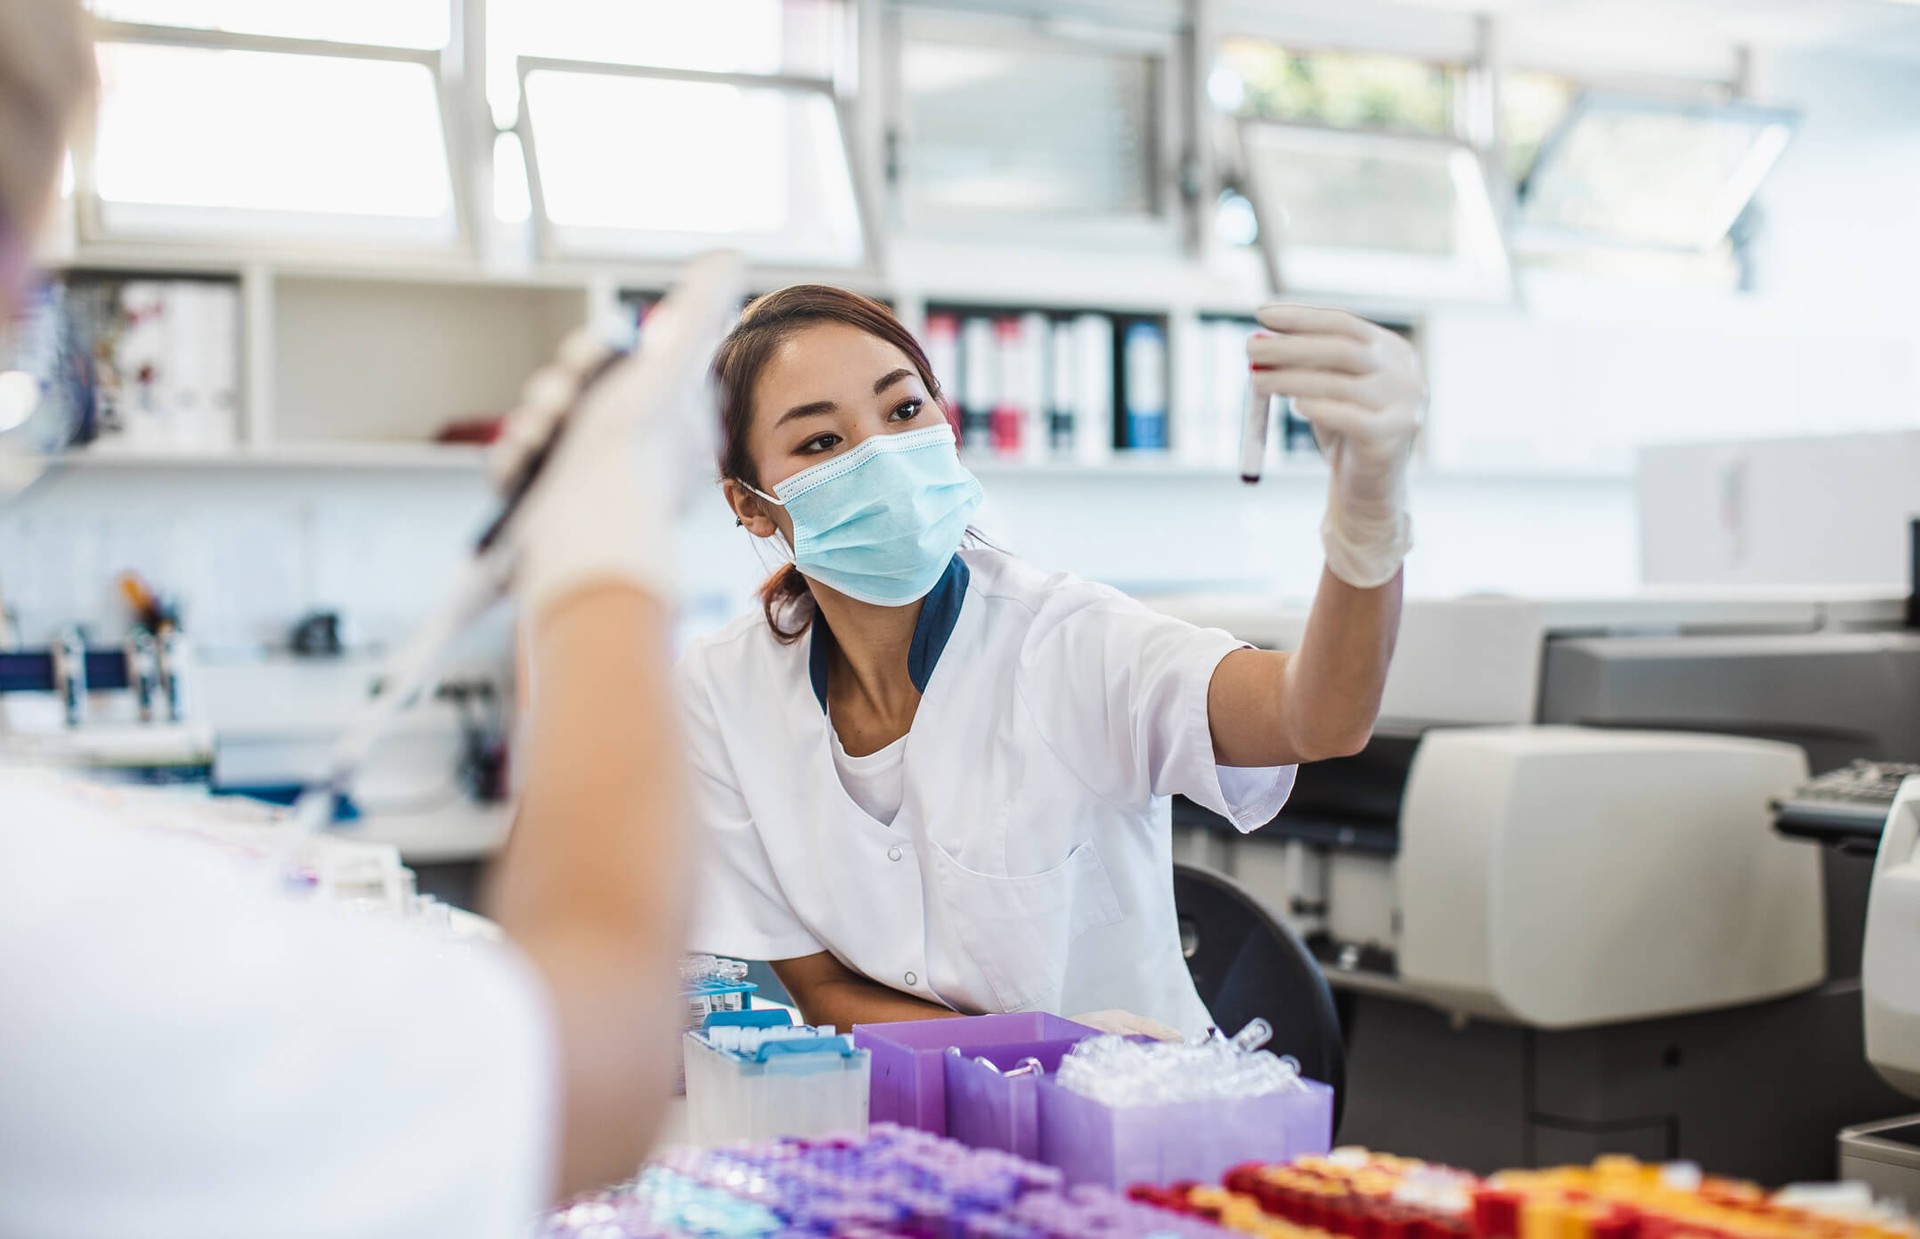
(909, 1059)
(1194, 1141)
(989, 1111)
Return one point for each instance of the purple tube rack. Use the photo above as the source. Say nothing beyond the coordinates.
(989, 1110)
(895, 1183)
(909, 1059)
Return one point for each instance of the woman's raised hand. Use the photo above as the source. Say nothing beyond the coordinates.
(1361, 388)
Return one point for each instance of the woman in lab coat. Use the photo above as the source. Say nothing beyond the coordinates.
(934, 778)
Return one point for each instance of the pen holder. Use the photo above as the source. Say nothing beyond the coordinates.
(910, 1059)
(1192, 1141)
(812, 1086)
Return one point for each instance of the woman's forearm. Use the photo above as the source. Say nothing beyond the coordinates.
(1321, 700)
(846, 1003)
(830, 994)
(1334, 681)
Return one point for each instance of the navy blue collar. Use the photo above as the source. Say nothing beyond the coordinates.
(939, 612)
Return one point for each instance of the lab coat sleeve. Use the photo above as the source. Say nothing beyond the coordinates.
(1120, 693)
(741, 910)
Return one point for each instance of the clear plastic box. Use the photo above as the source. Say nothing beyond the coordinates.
(811, 1086)
(1193, 1141)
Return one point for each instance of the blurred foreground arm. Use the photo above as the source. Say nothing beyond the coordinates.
(593, 886)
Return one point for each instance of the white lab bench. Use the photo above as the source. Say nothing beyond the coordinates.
(453, 833)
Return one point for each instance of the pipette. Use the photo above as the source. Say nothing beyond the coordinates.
(682, 333)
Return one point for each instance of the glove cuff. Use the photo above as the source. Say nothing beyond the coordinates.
(1367, 532)
(619, 535)
(1366, 555)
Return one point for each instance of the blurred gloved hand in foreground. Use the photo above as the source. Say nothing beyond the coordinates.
(640, 441)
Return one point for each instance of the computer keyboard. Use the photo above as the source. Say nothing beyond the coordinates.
(1847, 806)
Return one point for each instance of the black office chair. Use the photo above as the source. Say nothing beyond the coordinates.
(1247, 963)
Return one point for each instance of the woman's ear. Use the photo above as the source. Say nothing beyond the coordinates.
(749, 509)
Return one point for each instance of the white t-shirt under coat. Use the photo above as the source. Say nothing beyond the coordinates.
(875, 779)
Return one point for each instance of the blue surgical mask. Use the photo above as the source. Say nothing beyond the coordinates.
(882, 522)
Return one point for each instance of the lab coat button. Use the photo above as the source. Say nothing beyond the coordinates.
(893, 853)
(912, 979)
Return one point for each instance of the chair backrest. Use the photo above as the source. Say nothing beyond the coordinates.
(1245, 963)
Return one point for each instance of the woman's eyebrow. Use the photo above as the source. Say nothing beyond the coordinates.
(806, 410)
(818, 407)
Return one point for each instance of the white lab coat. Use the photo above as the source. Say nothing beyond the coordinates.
(1030, 865)
(184, 1054)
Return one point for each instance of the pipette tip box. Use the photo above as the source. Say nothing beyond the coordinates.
(803, 1083)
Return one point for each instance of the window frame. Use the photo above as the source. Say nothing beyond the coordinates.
(1166, 228)
(1533, 236)
(89, 206)
(1496, 282)
(546, 233)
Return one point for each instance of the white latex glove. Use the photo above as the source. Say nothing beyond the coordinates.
(1127, 1024)
(1361, 389)
(639, 443)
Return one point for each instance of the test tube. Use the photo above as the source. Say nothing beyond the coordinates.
(1260, 413)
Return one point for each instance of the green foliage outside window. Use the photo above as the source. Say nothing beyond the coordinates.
(1354, 90)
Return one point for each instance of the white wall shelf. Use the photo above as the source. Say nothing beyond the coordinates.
(435, 457)
(459, 458)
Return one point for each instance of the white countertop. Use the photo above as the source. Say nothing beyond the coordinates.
(457, 831)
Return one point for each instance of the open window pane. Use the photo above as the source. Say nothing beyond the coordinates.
(1653, 172)
(805, 38)
(1532, 105)
(1353, 90)
(1354, 211)
(389, 23)
(1026, 127)
(763, 169)
(267, 145)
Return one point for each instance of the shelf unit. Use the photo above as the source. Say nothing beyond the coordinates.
(352, 364)
(456, 459)
(423, 457)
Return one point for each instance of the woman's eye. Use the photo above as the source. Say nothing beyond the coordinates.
(908, 410)
(818, 444)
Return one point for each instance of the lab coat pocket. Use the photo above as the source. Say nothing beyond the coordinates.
(1018, 931)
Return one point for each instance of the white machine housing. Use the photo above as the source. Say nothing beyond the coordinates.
(1890, 964)
(1564, 877)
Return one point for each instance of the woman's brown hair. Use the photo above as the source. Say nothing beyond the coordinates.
(767, 323)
